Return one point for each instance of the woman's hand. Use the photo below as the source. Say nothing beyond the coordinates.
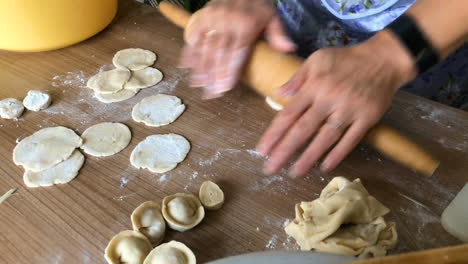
(220, 40)
(339, 94)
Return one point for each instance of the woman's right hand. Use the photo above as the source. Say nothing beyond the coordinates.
(220, 39)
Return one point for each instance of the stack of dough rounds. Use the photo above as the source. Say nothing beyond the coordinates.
(148, 220)
(133, 73)
(105, 139)
(36, 100)
(173, 252)
(158, 110)
(211, 196)
(128, 247)
(11, 108)
(182, 211)
(160, 153)
(49, 156)
(345, 220)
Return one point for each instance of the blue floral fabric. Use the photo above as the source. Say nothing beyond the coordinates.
(311, 26)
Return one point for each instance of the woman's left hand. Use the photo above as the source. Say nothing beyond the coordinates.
(338, 95)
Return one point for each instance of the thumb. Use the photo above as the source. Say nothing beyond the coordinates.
(276, 36)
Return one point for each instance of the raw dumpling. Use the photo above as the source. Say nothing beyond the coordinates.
(134, 59)
(211, 196)
(144, 78)
(182, 211)
(158, 110)
(148, 220)
(11, 108)
(61, 173)
(46, 148)
(171, 253)
(109, 82)
(127, 247)
(36, 100)
(160, 153)
(105, 139)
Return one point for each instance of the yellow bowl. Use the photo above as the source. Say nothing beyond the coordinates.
(38, 25)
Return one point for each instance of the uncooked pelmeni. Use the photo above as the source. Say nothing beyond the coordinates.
(144, 78)
(148, 220)
(182, 211)
(119, 96)
(11, 108)
(273, 104)
(109, 82)
(61, 173)
(105, 139)
(36, 100)
(160, 153)
(158, 110)
(211, 196)
(134, 59)
(127, 247)
(173, 252)
(46, 148)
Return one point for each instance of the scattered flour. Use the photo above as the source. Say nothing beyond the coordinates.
(74, 79)
(272, 242)
(123, 182)
(163, 178)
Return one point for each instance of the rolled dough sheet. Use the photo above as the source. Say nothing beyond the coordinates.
(144, 78)
(134, 59)
(119, 96)
(109, 82)
(158, 110)
(105, 139)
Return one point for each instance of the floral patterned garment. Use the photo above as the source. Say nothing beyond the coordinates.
(312, 26)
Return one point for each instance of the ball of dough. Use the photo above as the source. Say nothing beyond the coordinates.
(211, 196)
(36, 100)
(158, 110)
(134, 59)
(109, 82)
(182, 211)
(171, 253)
(127, 247)
(144, 78)
(148, 220)
(11, 108)
(105, 139)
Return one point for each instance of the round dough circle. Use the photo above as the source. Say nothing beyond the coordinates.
(46, 148)
(127, 247)
(134, 59)
(273, 104)
(173, 252)
(109, 82)
(36, 100)
(148, 220)
(182, 211)
(11, 108)
(211, 196)
(160, 153)
(158, 110)
(105, 139)
(61, 173)
(119, 96)
(144, 78)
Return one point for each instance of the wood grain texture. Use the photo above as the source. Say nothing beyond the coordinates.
(72, 223)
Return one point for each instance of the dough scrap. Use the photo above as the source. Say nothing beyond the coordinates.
(173, 252)
(158, 110)
(46, 148)
(144, 78)
(36, 100)
(148, 220)
(11, 108)
(211, 196)
(127, 247)
(7, 195)
(182, 211)
(105, 139)
(160, 153)
(119, 96)
(273, 104)
(109, 82)
(345, 219)
(61, 173)
(134, 59)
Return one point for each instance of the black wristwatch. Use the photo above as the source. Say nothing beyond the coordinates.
(415, 41)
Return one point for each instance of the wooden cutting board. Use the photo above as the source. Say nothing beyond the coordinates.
(72, 223)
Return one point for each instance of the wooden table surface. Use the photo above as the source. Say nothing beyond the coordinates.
(72, 223)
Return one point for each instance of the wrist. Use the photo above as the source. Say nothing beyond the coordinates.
(387, 46)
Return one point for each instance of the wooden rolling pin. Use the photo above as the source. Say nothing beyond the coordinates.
(268, 70)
